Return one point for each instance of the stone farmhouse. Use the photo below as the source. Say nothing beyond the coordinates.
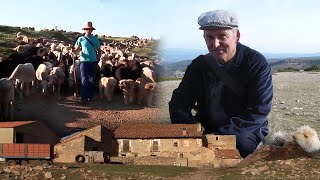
(174, 144)
(152, 144)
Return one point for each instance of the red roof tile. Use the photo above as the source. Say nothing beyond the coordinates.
(227, 153)
(146, 131)
(13, 124)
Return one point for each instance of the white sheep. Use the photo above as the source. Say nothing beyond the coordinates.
(148, 74)
(24, 74)
(6, 99)
(56, 78)
(42, 74)
(74, 76)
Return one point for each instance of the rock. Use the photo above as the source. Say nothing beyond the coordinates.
(288, 162)
(63, 176)
(64, 167)
(16, 173)
(7, 170)
(254, 172)
(287, 113)
(39, 168)
(243, 173)
(47, 175)
(263, 168)
(28, 169)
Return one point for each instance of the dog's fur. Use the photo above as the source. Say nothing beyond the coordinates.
(106, 87)
(128, 90)
(304, 136)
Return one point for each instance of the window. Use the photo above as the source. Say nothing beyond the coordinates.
(155, 146)
(180, 155)
(125, 145)
(175, 144)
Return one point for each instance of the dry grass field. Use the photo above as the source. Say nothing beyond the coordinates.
(296, 100)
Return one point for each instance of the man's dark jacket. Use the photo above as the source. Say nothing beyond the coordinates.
(221, 109)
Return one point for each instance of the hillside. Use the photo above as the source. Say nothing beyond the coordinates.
(8, 39)
(174, 69)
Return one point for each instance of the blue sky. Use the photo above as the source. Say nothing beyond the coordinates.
(273, 26)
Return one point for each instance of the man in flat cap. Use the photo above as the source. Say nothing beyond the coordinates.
(231, 86)
(90, 53)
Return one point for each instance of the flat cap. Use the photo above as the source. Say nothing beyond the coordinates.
(218, 19)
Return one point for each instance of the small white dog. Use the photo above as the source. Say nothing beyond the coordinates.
(305, 136)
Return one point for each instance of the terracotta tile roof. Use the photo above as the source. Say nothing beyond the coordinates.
(13, 124)
(227, 153)
(146, 131)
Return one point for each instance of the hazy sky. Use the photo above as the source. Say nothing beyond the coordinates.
(274, 26)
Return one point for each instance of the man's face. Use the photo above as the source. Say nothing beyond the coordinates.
(88, 31)
(222, 43)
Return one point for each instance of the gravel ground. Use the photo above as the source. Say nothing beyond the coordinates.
(68, 115)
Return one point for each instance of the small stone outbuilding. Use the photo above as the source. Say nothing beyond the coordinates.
(97, 138)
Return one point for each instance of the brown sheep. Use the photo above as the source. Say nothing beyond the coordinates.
(128, 90)
(106, 87)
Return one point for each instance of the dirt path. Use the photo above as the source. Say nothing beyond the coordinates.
(68, 115)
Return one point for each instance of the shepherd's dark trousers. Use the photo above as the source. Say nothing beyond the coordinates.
(88, 73)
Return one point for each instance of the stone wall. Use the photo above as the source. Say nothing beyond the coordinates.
(220, 141)
(67, 151)
(189, 148)
(6, 135)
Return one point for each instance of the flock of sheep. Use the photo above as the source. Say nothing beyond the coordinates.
(49, 65)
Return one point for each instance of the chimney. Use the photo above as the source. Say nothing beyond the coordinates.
(199, 127)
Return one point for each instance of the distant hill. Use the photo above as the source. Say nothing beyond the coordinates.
(8, 39)
(180, 54)
(174, 69)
